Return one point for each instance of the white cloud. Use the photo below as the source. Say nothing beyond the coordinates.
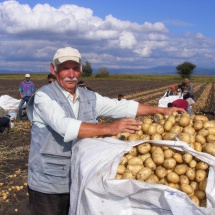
(30, 37)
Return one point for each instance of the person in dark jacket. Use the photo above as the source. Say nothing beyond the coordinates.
(4, 124)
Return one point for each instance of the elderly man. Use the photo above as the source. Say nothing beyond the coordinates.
(62, 113)
(26, 90)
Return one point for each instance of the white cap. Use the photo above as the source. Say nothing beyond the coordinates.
(65, 54)
(27, 75)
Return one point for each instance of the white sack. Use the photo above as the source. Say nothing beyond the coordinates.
(165, 100)
(95, 191)
(9, 103)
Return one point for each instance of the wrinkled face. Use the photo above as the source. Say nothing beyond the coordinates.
(67, 75)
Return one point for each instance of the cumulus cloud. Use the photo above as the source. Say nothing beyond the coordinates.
(30, 37)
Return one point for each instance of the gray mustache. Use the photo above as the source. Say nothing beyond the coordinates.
(70, 79)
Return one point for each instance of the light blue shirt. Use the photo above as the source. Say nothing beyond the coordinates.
(49, 112)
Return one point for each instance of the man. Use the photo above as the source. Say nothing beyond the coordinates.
(4, 124)
(188, 90)
(181, 103)
(26, 90)
(51, 78)
(62, 113)
(82, 84)
(120, 97)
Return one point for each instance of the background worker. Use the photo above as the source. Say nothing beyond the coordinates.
(120, 97)
(51, 78)
(4, 124)
(26, 90)
(188, 89)
(82, 85)
(181, 103)
(61, 114)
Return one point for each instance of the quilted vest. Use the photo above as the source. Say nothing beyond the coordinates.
(50, 157)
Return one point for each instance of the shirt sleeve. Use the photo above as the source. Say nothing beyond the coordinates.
(114, 108)
(55, 117)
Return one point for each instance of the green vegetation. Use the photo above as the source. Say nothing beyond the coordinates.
(102, 73)
(119, 77)
(87, 69)
(185, 69)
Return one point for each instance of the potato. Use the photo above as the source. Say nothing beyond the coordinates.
(160, 129)
(210, 138)
(211, 130)
(203, 203)
(152, 179)
(197, 125)
(143, 148)
(169, 136)
(180, 169)
(184, 179)
(200, 139)
(129, 156)
(124, 161)
(168, 153)
(198, 146)
(132, 137)
(167, 125)
(118, 176)
(192, 163)
(134, 168)
(145, 137)
(178, 157)
(184, 121)
(202, 165)
(163, 181)
(147, 120)
(195, 200)
(204, 132)
(187, 157)
(152, 129)
(209, 148)
(160, 172)
(169, 163)
(143, 157)
(128, 175)
(200, 194)
(172, 177)
(194, 185)
(135, 161)
(140, 133)
(200, 118)
(200, 175)
(120, 169)
(186, 188)
(184, 137)
(145, 126)
(175, 129)
(150, 163)
(209, 124)
(156, 137)
(190, 173)
(189, 130)
(162, 121)
(144, 173)
(172, 119)
(123, 136)
(157, 117)
(158, 156)
(202, 185)
(133, 151)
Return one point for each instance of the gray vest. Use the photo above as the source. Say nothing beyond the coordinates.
(50, 157)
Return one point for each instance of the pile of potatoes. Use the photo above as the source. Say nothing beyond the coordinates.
(164, 165)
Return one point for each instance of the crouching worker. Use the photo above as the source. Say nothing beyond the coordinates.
(5, 124)
(61, 114)
(181, 103)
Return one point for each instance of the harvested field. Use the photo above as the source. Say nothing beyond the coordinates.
(14, 147)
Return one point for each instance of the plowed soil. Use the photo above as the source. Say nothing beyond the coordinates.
(14, 147)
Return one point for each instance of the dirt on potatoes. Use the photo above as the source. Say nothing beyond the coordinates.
(14, 146)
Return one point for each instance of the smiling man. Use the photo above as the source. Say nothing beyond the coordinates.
(61, 114)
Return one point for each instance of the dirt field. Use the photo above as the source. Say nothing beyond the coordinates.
(14, 147)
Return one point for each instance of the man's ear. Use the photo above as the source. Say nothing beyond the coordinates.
(52, 69)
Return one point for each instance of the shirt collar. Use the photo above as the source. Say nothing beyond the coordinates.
(67, 94)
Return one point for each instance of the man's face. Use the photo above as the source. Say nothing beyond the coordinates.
(27, 79)
(67, 75)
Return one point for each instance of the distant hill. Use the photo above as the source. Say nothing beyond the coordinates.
(159, 70)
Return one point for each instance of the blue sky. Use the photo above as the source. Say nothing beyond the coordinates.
(112, 34)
